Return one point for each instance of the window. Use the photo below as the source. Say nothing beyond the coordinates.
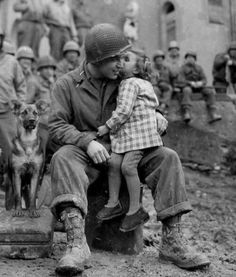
(169, 21)
(216, 11)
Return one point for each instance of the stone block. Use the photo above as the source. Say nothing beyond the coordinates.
(24, 237)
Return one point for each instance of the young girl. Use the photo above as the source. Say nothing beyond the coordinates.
(133, 129)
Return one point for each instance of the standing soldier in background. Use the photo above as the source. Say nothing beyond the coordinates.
(224, 70)
(59, 18)
(192, 79)
(162, 80)
(30, 28)
(12, 86)
(71, 54)
(46, 68)
(9, 48)
(25, 57)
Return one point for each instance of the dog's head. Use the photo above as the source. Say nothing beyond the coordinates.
(28, 114)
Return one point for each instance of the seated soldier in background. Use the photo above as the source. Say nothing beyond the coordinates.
(70, 61)
(25, 57)
(162, 81)
(224, 69)
(192, 79)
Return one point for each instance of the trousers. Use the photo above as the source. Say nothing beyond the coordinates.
(160, 169)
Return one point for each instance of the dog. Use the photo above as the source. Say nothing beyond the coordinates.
(27, 158)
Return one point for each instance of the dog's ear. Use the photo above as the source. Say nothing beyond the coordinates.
(42, 106)
(15, 106)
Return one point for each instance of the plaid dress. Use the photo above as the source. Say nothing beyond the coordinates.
(133, 124)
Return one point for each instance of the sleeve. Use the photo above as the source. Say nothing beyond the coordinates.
(61, 130)
(128, 92)
(19, 82)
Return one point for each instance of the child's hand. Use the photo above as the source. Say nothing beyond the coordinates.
(102, 130)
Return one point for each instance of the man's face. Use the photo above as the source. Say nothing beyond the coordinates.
(159, 61)
(110, 68)
(232, 54)
(47, 72)
(190, 60)
(71, 56)
(26, 65)
(174, 52)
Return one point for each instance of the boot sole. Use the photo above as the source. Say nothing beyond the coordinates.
(71, 271)
(136, 226)
(182, 265)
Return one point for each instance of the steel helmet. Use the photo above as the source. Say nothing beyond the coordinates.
(158, 53)
(173, 44)
(104, 41)
(46, 61)
(25, 52)
(191, 53)
(71, 46)
(232, 46)
(9, 48)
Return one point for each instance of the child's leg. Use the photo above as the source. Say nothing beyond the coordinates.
(130, 173)
(114, 179)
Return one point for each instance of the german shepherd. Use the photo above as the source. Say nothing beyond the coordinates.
(27, 159)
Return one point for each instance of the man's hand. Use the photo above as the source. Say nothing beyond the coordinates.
(102, 130)
(97, 152)
(193, 84)
(162, 123)
(199, 84)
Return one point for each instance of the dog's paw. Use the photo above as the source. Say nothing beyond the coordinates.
(34, 213)
(18, 213)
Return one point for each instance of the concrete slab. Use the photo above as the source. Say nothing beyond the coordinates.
(24, 237)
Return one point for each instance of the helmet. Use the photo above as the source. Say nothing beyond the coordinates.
(9, 48)
(173, 44)
(232, 46)
(191, 53)
(71, 46)
(25, 52)
(104, 41)
(46, 61)
(158, 53)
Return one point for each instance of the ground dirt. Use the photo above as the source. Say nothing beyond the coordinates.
(210, 227)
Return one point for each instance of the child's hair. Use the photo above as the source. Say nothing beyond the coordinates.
(143, 65)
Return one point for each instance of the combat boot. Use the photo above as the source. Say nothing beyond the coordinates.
(175, 248)
(77, 251)
(213, 116)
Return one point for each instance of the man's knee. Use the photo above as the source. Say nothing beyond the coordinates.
(187, 91)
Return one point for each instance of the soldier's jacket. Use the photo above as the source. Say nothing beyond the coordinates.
(64, 67)
(191, 73)
(33, 88)
(163, 74)
(219, 69)
(12, 81)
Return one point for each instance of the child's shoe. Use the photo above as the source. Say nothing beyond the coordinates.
(108, 213)
(131, 222)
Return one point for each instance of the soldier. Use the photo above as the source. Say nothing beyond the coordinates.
(162, 80)
(192, 79)
(73, 127)
(46, 68)
(30, 28)
(173, 60)
(12, 86)
(59, 18)
(71, 54)
(25, 57)
(224, 69)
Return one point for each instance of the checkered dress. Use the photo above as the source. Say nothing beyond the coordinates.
(133, 124)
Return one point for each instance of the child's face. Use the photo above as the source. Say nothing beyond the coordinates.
(129, 61)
